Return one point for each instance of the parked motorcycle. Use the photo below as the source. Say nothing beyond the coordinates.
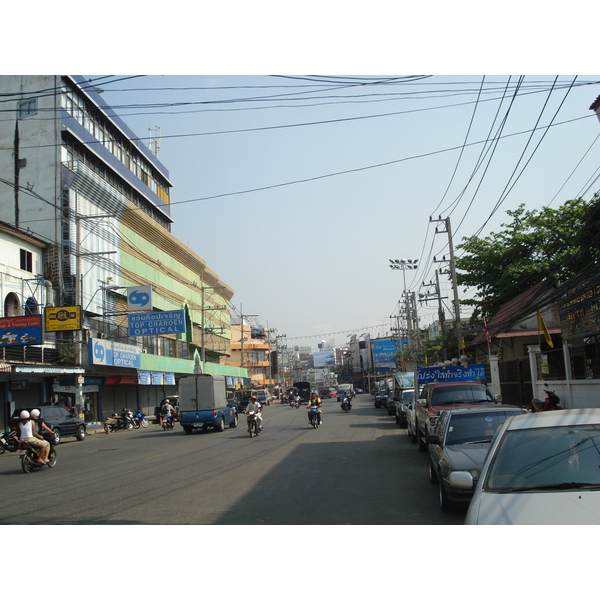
(9, 441)
(314, 416)
(253, 428)
(30, 456)
(346, 406)
(116, 422)
(549, 403)
(140, 420)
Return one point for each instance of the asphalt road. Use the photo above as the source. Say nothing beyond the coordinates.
(359, 468)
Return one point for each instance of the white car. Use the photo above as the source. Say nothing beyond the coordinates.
(542, 469)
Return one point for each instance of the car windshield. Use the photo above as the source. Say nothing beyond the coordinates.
(545, 459)
(459, 394)
(470, 428)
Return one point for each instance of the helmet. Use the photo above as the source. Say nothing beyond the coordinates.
(35, 413)
(254, 398)
(167, 401)
(24, 414)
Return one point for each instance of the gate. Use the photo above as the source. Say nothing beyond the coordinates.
(515, 382)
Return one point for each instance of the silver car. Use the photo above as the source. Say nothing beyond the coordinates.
(542, 469)
(460, 442)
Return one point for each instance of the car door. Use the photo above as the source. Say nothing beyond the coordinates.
(435, 450)
(66, 422)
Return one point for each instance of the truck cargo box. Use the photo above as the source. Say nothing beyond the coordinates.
(202, 392)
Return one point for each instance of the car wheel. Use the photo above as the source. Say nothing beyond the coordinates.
(234, 423)
(221, 426)
(187, 430)
(56, 433)
(445, 503)
(80, 435)
(433, 478)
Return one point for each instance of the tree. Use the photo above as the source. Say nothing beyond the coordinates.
(536, 245)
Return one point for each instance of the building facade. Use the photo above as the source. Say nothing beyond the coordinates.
(77, 177)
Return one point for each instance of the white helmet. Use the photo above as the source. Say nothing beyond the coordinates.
(35, 413)
(24, 414)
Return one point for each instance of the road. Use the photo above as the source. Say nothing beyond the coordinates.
(359, 468)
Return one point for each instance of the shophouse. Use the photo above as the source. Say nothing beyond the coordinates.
(78, 178)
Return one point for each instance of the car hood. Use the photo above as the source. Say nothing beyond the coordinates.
(468, 456)
(572, 507)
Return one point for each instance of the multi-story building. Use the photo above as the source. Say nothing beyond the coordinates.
(251, 350)
(76, 176)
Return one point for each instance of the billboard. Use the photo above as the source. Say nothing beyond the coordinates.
(385, 352)
(324, 359)
(21, 331)
(453, 373)
(62, 318)
(113, 354)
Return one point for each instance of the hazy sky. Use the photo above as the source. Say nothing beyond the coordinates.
(298, 190)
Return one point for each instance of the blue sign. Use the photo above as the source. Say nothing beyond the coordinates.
(112, 354)
(21, 331)
(156, 323)
(139, 298)
(384, 353)
(454, 373)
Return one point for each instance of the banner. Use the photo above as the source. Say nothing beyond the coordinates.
(21, 331)
(454, 373)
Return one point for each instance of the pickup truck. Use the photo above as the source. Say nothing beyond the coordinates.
(303, 388)
(204, 405)
(442, 395)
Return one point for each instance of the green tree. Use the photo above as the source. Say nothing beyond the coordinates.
(536, 245)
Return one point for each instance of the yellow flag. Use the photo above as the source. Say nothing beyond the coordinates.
(542, 327)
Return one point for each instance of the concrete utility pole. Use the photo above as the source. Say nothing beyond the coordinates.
(451, 261)
(436, 296)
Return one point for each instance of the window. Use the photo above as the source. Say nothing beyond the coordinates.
(27, 108)
(26, 261)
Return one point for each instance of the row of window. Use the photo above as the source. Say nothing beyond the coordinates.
(75, 106)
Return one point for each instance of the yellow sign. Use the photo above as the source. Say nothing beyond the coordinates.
(62, 318)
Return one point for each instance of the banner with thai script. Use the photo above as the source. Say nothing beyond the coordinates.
(21, 331)
(453, 373)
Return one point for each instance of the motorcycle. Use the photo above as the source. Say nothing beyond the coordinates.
(294, 402)
(550, 403)
(30, 455)
(314, 416)
(167, 423)
(346, 406)
(253, 428)
(140, 420)
(117, 422)
(9, 441)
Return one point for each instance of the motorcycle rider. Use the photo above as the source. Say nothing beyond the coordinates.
(40, 423)
(167, 411)
(30, 435)
(255, 407)
(315, 401)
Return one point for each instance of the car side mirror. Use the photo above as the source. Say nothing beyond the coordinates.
(461, 480)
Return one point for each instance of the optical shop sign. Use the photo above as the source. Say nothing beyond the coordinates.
(156, 323)
(112, 354)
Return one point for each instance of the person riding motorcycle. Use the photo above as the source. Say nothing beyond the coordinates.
(315, 401)
(167, 411)
(30, 435)
(40, 423)
(255, 407)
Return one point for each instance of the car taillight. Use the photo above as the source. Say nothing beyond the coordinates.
(214, 413)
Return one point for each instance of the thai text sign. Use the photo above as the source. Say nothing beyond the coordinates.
(113, 354)
(580, 311)
(156, 323)
(385, 352)
(454, 373)
(21, 331)
(62, 318)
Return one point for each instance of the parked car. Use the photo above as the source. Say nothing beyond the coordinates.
(381, 399)
(411, 420)
(542, 469)
(62, 422)
(391, 404)
(460, 442)
(435, 397)
(400, 405)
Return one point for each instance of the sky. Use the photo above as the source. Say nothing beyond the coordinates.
(298, 190)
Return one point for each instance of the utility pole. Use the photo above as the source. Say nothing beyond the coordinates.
(436, 296)
(451, 261)
(242, 315)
